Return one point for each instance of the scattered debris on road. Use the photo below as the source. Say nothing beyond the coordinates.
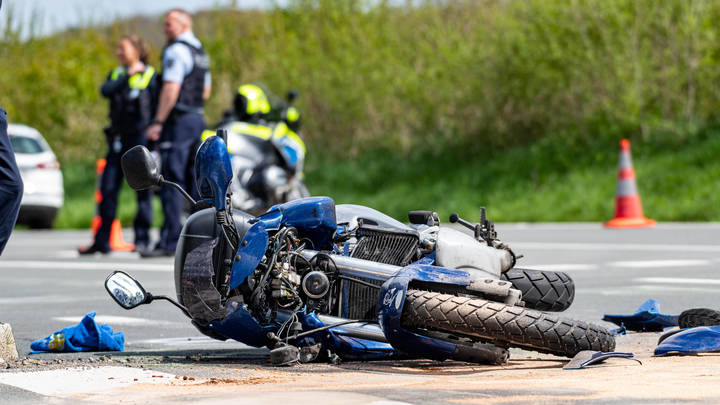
(8, 349)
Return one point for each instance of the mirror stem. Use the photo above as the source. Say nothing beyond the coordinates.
(180, 189)
(172, 301)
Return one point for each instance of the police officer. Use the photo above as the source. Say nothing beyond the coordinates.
(132, 89)
(11, 186)
(179, 121)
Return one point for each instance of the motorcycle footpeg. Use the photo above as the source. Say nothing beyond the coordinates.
(481, 353)
(284, 355)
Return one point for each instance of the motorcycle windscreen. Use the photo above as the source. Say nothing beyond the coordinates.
(197, 284)
(213, 171)
(290, 146)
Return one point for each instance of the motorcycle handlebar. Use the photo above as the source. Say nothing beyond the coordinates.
(455, 218)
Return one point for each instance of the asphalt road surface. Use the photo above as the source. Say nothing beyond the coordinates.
(45, 286)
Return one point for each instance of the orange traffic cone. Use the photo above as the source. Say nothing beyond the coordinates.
(116, 238)
(628, 208)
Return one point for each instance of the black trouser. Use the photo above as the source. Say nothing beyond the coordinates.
(110, 184)
(178, 142)
(11, 186)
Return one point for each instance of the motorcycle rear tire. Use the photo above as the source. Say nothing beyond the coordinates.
(543, 290)
(503, 325)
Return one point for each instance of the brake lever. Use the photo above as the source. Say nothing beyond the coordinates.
(484, 231)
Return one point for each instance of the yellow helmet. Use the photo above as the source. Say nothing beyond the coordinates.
(251, 102)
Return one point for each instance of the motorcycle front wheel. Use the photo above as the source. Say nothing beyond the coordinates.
(503, 325)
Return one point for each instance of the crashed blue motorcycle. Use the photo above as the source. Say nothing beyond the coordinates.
(310, 280)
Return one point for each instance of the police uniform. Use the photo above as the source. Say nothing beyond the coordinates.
(11, 187)
(133, 102)
(185, 62)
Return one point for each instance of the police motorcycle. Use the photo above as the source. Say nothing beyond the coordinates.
(278, 280)
(267, 152)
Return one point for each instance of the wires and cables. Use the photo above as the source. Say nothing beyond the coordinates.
(311, 331)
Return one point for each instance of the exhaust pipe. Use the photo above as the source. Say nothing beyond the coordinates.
(353, 267)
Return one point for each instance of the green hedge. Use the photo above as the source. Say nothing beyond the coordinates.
(484, 75)
(455, 82)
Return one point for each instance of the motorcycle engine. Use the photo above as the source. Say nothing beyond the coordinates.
(286, 280)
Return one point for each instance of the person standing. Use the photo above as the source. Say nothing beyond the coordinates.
(132, 89)
(11, 186)
(179, 120)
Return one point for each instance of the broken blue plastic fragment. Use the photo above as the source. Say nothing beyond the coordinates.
(84, 337)
(622, 330)
(589, 357)
(703, 339)
(647, 318)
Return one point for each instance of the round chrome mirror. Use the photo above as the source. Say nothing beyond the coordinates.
(125, 290)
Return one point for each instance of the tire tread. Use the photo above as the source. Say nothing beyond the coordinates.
(543, 290)
(503, 325)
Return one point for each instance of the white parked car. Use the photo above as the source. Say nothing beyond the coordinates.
(40, 171)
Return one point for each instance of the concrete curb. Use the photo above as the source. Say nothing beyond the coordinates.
(8, 350)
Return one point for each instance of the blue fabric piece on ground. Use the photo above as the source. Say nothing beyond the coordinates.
(647, 318)
(87, 336)
(703, 339)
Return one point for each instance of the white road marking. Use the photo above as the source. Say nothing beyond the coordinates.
(117, 320)
(190, 341)
(678, 280)
(50, 299)
(73, 254)
(613, 246)
(642, 290)
(83, 380)
(647, 264)
(85, 265)
(599, 226)
(66, 254)
(562, 267)
(632, 264)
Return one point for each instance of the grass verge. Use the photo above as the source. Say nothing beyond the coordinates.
(552, 180)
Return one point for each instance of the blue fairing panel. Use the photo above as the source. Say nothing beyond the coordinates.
(349, 348)
(314, 217)
(390, 307)
(702, 339)
(241, 326)
(249, 254)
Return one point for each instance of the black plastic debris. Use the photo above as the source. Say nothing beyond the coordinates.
(588, 358)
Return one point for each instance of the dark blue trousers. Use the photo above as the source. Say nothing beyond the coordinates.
(110, 184)
(11, 186)
(178, 142)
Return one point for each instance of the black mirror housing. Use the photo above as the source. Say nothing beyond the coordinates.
(140, 168)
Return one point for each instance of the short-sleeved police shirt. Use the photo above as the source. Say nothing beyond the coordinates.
(178, 60)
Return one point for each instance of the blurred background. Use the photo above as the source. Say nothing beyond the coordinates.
(517, 105)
